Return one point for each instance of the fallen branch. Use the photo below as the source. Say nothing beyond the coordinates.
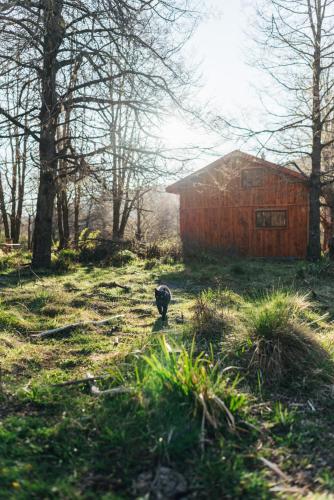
(73, 326)
(111, 392)
(114, 284)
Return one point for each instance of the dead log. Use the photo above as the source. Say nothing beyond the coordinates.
(73, 326)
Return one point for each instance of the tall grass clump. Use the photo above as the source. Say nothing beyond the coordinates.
(11, 320)
(169, 250)
(279, 344)
(195, 383)
(215, 312)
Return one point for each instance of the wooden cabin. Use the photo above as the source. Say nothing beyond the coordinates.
(244, 205)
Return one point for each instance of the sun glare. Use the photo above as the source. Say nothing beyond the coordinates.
(175, 133)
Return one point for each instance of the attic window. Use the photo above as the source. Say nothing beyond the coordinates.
(252, 177)
(272, 218)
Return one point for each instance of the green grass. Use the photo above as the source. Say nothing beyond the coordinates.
(241, 372)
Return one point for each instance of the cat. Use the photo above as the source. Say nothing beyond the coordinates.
(162, 298)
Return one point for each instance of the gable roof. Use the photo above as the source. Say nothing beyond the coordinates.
(177, 186)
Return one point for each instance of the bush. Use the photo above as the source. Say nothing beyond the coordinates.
(64, 259)
(91, 248)
(150, 264)
(122, 258)
(13, 260)
(168, 250)
(88, 239)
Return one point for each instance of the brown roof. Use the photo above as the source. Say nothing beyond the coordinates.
(177, 186)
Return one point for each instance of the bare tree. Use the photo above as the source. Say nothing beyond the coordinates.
(15, 164)
(57, 39)
(296, 38)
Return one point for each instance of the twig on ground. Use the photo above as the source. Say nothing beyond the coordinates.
(274, 468)
(114, 284)
(72, 326)
(35, 274)
(111, 392)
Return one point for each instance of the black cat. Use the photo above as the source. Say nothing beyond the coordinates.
(162, 299)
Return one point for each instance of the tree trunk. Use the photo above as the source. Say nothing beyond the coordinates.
(314, 246)
(116, 218)
(76, 215)
(3, 212)
(139, 232)
(65, 214)
(60, 223)
(54, 31)
(29, 231)
(21, 186)
(20, 199)
(43, 223)
(15, 166)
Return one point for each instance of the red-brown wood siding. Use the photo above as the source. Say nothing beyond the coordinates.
(217, 212)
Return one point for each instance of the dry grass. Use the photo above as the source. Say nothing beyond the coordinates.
(81, 446)
(215, 313)
(278, 342)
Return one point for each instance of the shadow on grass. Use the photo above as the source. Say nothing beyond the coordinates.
(245, 276)
(160, 325)
(21, 276)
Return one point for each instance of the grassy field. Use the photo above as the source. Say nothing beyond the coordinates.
(232, 398)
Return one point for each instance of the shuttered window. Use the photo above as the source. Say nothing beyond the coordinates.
(271, 218)
(252, 177)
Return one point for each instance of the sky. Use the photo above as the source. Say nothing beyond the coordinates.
(221, 47)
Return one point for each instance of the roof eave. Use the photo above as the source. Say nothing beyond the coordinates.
(177, 187)
(172, 189)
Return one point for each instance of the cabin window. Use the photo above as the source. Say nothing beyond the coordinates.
(252, 177)
(271, 218)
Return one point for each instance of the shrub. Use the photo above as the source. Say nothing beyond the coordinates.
(13, 260)
(122, 258)
(169, 250)
(153, 251)
(64, 259)
(150, 264)
(91, 248)
(88, 239)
